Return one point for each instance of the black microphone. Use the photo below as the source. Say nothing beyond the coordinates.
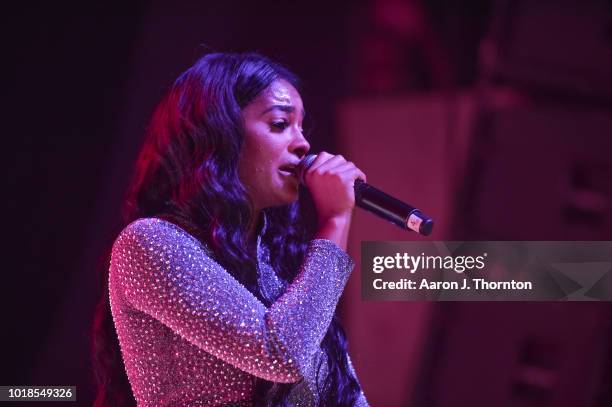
(379, 203)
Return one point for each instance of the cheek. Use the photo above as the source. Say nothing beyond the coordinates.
(258, 154)
(252, 166)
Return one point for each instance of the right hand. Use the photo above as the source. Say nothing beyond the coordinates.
(330, 180)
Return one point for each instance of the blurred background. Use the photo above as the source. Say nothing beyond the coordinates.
(492, 116)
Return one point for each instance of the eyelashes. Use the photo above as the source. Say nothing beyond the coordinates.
(279, 125)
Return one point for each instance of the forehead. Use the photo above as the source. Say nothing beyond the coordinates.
(281, 92)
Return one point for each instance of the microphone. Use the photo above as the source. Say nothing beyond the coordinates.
(379, 203)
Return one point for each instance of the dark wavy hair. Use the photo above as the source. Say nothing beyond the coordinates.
(187, 173)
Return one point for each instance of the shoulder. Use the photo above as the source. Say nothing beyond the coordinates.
(156, 247)
(154, 234)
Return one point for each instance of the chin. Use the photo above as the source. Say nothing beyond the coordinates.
(282, 193)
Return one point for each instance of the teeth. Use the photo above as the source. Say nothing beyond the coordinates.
(289, 170)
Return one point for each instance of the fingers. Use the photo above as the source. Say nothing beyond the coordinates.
(351, 171)
(321, 163)
(326, 163)
(331, 180)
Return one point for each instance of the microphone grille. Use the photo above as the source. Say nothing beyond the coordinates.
(303, 166)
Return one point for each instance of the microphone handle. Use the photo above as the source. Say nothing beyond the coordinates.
(389, 208)
(379, 203)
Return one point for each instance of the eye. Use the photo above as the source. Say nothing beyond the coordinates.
(279, 125)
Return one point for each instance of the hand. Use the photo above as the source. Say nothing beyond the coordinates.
(330, 180)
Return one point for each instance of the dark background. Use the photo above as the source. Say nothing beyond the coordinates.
(80, 82)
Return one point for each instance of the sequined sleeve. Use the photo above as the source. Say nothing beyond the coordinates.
(166, 273)
(361, 400)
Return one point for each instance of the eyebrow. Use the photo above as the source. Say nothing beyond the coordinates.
(284, 108)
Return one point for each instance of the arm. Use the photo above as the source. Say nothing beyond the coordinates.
(336, 229)
(361, 401)
(166, 273)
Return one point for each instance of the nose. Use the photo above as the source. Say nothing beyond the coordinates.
(299, 145)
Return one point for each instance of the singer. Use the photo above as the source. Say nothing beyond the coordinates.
(218, 294)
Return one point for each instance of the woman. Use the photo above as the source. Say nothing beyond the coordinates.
(218, 294)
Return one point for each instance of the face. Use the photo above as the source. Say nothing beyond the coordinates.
(273, 144)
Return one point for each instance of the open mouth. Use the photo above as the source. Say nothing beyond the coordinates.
(287, 169)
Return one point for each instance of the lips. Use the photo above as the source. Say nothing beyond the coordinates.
(288, 168)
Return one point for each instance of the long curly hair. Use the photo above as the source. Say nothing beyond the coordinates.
(187, 173)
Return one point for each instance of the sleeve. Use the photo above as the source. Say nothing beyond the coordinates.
(166, 273)
(361, 401)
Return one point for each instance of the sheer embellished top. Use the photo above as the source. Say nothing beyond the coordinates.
(192, 335)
